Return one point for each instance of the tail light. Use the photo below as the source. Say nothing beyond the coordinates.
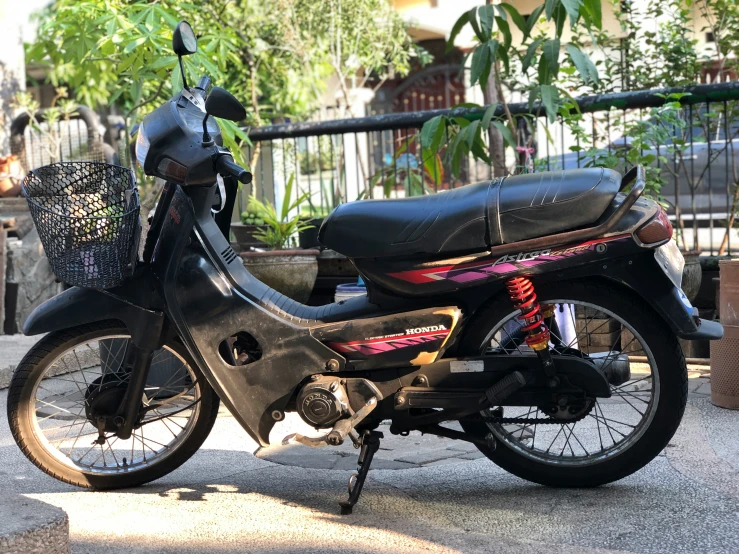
(656, 231)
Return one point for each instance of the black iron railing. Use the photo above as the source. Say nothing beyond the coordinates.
(692, 151)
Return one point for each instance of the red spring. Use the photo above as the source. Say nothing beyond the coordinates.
(522, 294)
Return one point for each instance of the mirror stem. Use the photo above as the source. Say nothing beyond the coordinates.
(182, 70)
(207, 139)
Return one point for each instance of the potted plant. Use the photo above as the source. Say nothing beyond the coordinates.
(315, 214)
(308, 237)
(692, 273)
(288, 270)
(244, 231)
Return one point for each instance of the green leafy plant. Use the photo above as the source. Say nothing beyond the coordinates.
(62, 109)
(274, 55)
(280, 229)
(463, 133)
(251, 215)
(328, 200)
(406, 171)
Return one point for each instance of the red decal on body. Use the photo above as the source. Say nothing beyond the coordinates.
(384, 344)
(510, 263)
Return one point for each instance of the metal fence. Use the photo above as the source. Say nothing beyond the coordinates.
(692, 151)
(75, 139)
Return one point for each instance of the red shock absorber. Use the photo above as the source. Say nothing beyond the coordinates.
(522, 294)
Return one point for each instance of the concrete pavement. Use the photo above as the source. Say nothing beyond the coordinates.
(227, 500)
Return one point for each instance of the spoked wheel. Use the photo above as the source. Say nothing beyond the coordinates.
(71, 378)
(586, 442)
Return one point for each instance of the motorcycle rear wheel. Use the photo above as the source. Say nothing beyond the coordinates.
(69, 374)
(617, 436)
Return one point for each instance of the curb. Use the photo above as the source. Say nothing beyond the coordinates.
(29, 526)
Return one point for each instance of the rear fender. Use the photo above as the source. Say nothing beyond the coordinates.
(643, 276)
(78, 306)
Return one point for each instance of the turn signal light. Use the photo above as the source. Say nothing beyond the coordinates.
(656, 231)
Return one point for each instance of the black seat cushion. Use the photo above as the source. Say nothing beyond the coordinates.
(473, 217)
(539, 204)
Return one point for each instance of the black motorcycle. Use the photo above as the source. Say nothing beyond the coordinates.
(535, 316)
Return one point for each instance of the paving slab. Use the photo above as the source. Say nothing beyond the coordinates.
(226, 499)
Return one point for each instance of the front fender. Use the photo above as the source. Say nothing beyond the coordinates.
(78, 306)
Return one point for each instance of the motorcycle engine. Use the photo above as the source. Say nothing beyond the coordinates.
(322, 402)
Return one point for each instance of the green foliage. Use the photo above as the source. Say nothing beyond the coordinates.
(496, 55)
(62, 109)
(722, 20)
(405, 170)
(328, 200)
(313, 162)
(280, 229)
(665, 57)
(273, 55)
(252, 215)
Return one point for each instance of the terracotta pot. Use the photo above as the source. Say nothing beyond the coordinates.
(244, 236)
(725, 368)
(291, 272)
(10, 176)
(729, 292)
(692, 274)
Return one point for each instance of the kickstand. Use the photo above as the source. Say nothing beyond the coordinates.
(370, 445)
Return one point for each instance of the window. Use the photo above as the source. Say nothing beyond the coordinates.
(710, 37)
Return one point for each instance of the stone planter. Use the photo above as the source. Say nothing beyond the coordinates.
(291, 272)
(692, 274)
(244, 236)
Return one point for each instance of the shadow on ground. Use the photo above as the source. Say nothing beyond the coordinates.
(227, 500)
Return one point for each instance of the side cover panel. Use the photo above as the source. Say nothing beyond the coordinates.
(406, 339)
(207, 310)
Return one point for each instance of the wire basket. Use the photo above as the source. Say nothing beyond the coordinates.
(87, 216)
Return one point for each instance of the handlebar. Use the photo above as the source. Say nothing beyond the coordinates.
(227, 168)
(203, 83)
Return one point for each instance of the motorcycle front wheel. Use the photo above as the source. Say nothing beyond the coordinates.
(70, 376)
(585, 444)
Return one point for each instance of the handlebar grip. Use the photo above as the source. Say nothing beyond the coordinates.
(227, 168)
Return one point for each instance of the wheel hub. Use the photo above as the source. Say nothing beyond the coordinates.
(102, 399)
(568, 411)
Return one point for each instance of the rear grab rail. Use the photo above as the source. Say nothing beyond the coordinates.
(636, 174)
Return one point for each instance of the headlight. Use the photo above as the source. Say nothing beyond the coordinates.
(142, 146)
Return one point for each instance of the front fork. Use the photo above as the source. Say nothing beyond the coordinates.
(135, 366)
(534, 317)
(137, 363)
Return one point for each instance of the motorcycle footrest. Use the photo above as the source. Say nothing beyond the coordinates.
(504, 388)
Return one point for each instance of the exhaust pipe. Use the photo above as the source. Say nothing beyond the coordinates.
(615, 366)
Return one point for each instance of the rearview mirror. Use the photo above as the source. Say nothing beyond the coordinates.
(184, 41)
(223, 104)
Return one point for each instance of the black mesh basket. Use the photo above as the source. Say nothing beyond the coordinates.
(87, 216)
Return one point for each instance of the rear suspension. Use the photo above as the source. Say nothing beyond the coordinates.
(533, 315)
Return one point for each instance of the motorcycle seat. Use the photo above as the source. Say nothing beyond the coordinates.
(472, 218)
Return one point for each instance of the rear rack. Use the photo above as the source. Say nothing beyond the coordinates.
(636, 173)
